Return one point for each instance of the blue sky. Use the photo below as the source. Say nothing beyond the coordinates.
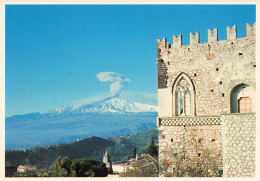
(54, 52)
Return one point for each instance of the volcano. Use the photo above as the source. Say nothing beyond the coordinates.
(112, 116)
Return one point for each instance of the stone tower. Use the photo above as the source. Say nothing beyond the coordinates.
(106, 160)
(206, 99)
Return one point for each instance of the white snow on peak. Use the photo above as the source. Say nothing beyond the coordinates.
(111, 104)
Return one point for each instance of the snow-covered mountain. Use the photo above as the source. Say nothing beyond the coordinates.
(111, 104)
(109, 117)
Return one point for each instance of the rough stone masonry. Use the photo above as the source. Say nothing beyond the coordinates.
(207, 91)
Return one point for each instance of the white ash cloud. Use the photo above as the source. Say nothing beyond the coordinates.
(117, 81)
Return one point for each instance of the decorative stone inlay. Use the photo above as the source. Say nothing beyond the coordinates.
(180, 121)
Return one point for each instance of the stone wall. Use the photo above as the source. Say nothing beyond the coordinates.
(193, 136)
(215, 67)
(238, 144)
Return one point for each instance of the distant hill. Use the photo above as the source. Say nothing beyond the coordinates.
(119, 147)
(107, 118)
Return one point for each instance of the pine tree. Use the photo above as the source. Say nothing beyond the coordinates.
(152, 149)
(134, 154)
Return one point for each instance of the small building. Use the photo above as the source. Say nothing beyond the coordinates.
(120, 166)
(146, 163)
(21, 168)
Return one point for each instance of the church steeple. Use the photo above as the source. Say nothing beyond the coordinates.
(106, 160)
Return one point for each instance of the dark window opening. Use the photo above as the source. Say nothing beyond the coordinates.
(220, 82)
(213, 140)
(195, 75)
(171, 140)
(240, 53)
(212, 90)
(216, 69)
(163, 136)
(254, 65)
(223, 94)
(199, 154)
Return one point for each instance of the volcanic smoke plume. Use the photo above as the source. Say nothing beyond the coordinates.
(117, 81)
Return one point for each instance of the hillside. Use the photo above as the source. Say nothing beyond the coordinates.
(119, 147)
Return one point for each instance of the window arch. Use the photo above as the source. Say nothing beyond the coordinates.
(179, 102)
(242, 99)
(183, 96)
(187, 102)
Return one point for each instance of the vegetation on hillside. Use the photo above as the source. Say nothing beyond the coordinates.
(64, 167)
(119, 148)
(152, 149)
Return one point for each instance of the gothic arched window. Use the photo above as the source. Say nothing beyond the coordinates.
(179, 102)
(183, 96)
(187, 102)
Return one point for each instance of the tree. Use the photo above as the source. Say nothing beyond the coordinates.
(62, 166)
(88, 168)
(134, 154)
(152, 149)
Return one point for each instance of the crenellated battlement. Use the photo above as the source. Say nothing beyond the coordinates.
(250, 30)
(212, 37)
(232, 32)
(177, 40)
(194, 38)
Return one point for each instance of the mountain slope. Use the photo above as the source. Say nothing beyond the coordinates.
(118, 147)
(111, 104)
(110, 117)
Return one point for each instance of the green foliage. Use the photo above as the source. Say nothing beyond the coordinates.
(62, 166)
(43, 172)
(94, 147)
(152, 149)
(88, 168)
